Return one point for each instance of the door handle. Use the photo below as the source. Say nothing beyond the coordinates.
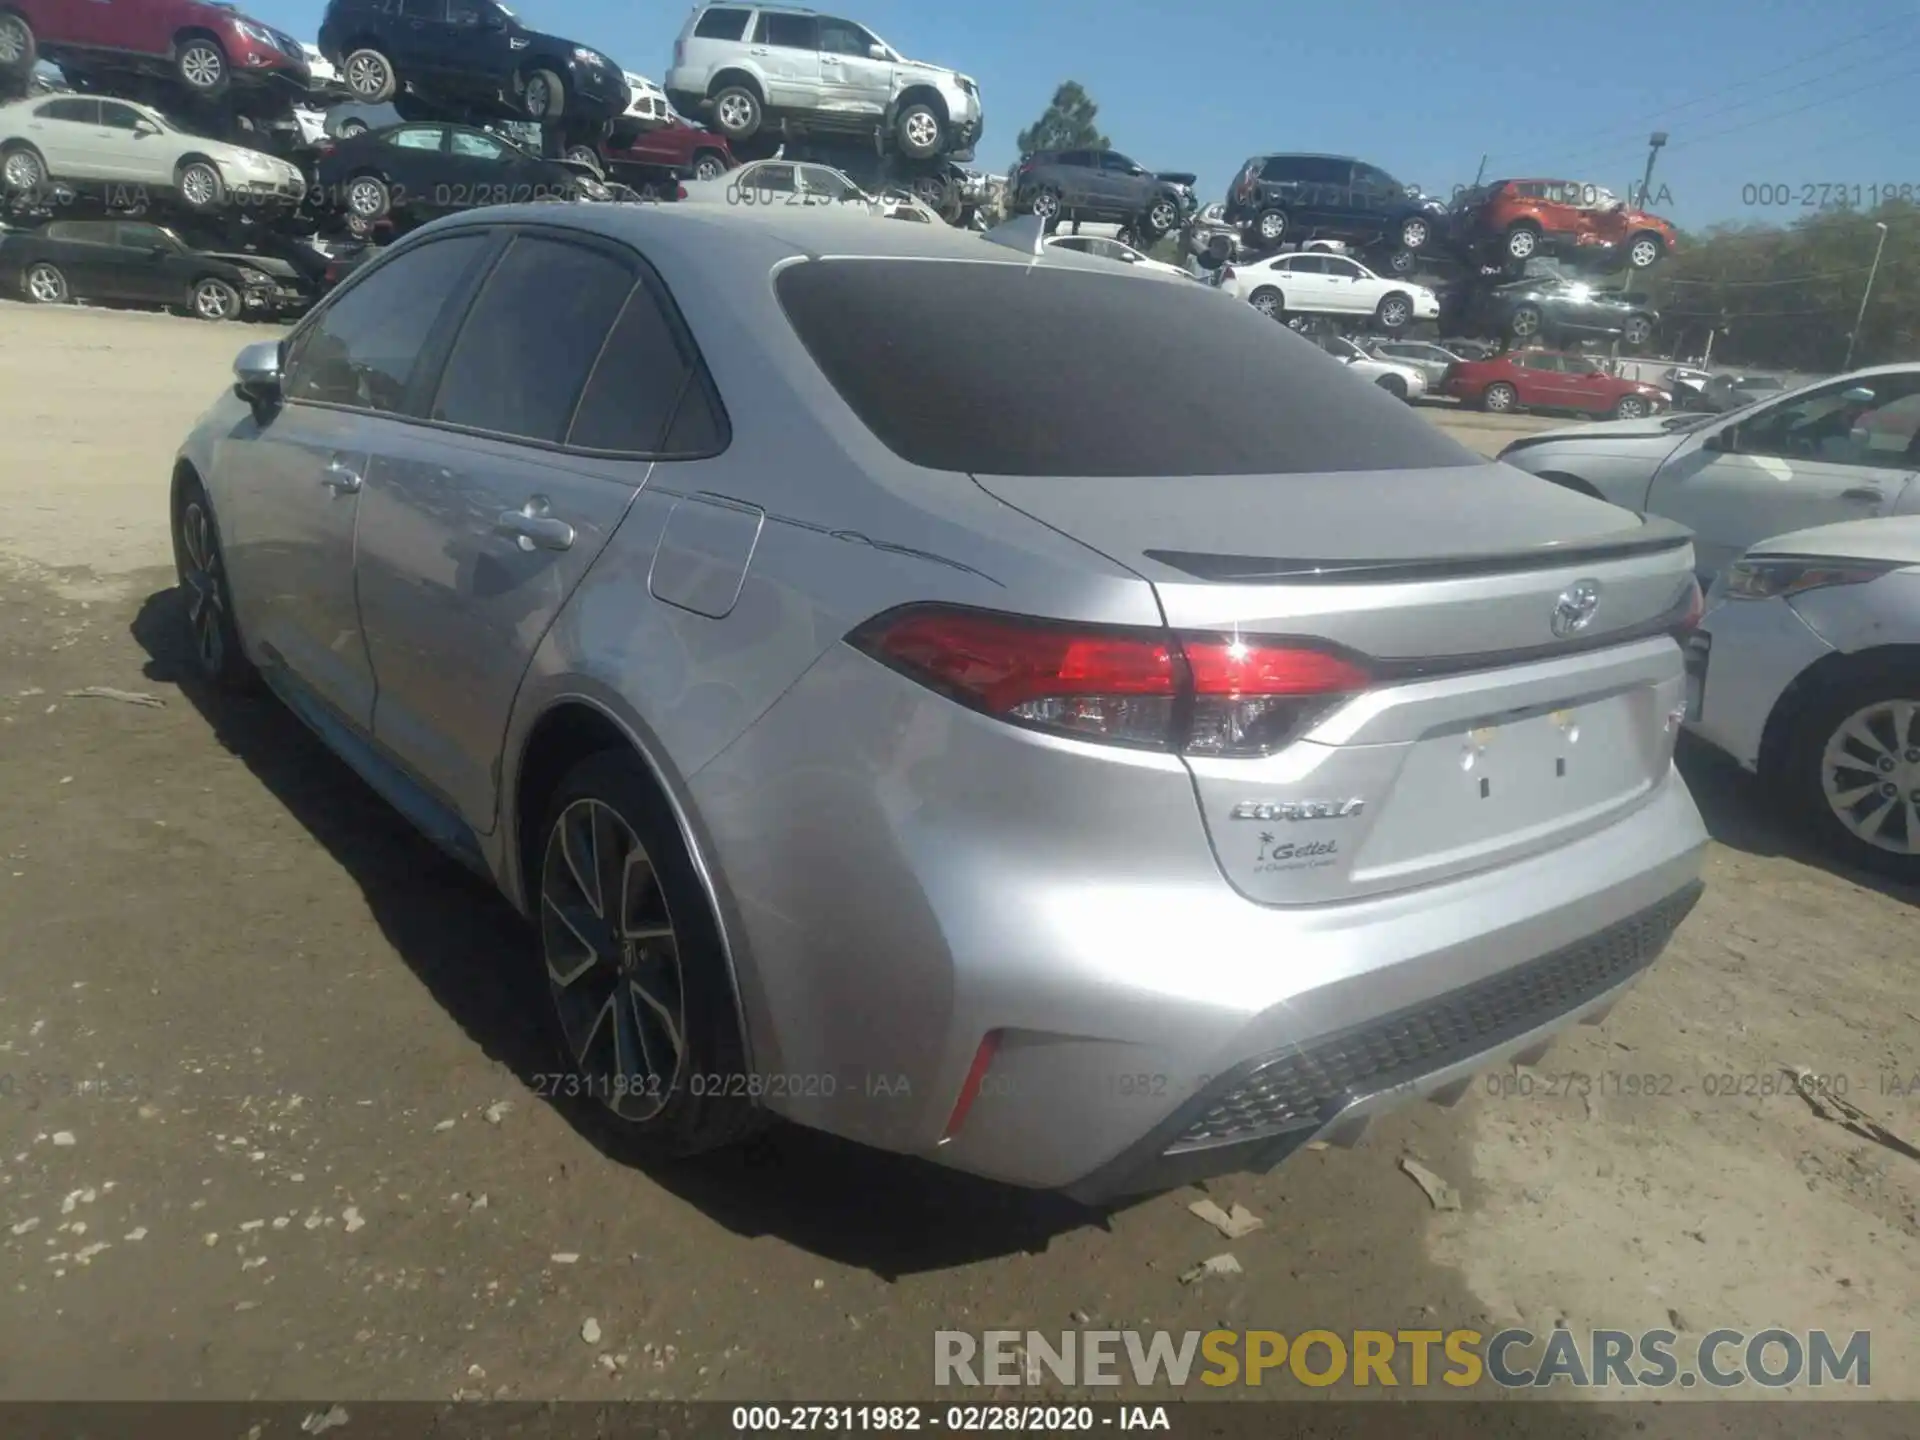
(535, 527)
(756, 50)
(1863, 492)
(341, 477)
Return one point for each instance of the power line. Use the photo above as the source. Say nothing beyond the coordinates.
(1906, 77)
(1769, 284)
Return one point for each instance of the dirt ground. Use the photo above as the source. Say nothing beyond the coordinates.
(263, 1135)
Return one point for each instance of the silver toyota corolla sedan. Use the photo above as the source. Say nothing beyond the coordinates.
(992, 706)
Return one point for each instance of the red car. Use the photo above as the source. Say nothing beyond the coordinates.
(675, 151)
(1570, 217)
(1547, 380)
(205, 47)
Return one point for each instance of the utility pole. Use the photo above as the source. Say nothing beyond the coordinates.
(1481, 173)
(1654, 142)
(1872, 271)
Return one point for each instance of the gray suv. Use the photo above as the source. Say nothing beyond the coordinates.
(755, 66)
(1197, 757)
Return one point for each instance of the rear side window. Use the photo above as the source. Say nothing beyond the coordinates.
(719, 24)
(361, 349)
(791, 32)
(525, 348)
(641, 371)
(1006, 369)
(1280, 167)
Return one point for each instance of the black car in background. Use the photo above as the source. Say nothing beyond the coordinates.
(1283, 199)
(409, 174)
(141, 262)
(1102, 186)
(472, 54)
(1552, 307)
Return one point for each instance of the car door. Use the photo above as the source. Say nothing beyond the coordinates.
(1841, 451)
(289, 512)
(478, 522)
(851, 77)
(422, 35)
(1375, 201)
(1538, 380)
(1304, 283)
(144, 264)
(1326, 194)
(85, 252)
(1350, 287)
(787, 45)
(64, 131)
(142, 152)
(1121, 184)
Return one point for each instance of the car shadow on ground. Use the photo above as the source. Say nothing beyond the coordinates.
(1740, 813)
(885, 1213)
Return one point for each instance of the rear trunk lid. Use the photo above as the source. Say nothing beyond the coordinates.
(1491, 730)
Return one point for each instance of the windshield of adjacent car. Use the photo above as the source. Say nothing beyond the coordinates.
(1009, 369)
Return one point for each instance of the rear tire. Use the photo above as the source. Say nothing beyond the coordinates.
(1415, 232)
(1500, 398)
(22, 170)
(18, 48)
(708, 165)
(640, 1003)
(368, 198)
(737, 112)
(369, 76)
(544, 97)
(1644, 251)
(45, 284)
(202, 66)
(1162, 215)
(1842, 747)
(1525, 323)
(1630, 407)
(1394, 314)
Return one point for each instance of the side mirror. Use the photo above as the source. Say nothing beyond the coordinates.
(877, 52)
(145, 127)
(256, 374)
(1859, 395)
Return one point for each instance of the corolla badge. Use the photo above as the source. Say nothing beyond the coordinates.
(1575, 608)
(1298, 809)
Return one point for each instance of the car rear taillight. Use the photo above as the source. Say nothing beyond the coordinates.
(1188, 693)
(1226, 272)
(679, 53)
(1696, 609)
(680, 191)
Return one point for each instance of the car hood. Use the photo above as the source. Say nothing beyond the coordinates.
(266, 264)
(1896, 539)
(922, 67)
(1352, 517)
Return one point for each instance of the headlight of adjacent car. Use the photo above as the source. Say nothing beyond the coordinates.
(259, 34)
(1769, 579)
(588, 57)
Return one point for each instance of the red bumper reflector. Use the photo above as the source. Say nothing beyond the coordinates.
(970, 1087)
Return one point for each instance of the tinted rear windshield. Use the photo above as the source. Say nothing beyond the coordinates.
(1007, 369)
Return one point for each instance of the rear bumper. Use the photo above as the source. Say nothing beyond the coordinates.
(904, 877)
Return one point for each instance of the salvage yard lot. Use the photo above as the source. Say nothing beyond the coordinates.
(271, 1126)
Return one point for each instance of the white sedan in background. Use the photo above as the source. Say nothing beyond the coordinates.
(1841, 449)
(1806, 670)
(1100, 247)
(98, 143)
(1316, 283)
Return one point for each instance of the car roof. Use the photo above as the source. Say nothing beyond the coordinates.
(1305, 155)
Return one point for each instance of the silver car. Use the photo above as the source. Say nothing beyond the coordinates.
(1071, 767)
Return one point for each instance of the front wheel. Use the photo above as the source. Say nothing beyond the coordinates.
(200, 185)
(1630, 407)
(1394, 314)
(544, 97)
(203, 66)
(1522, 243)
(1271, 227)
(1500, 398)
(212, 634)
(370, 77)
(1637, 332)
(1525, 322)
(1162, 215)
(368, 198)
(918, 131)
(45, 284)
(586, 155)
(708, 166)
(1046, 205)
(1852, 770)
(736, 113)
(637, 980)
(215, 299)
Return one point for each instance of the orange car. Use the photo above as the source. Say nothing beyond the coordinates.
(1532, 217)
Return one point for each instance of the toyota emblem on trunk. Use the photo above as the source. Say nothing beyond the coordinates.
(1573, 611)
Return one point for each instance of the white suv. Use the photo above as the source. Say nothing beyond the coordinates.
(748, 65)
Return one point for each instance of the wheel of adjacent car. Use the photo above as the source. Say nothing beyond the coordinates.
(212, 633)
(1630, 407)
(1271, 226)
(586, 155)
(1522, 242)
(202, 65)
(1499, 397)
(1393, 385)
(351, 128)
(1644, 251)
(368, 197)
(1046, 205)
(215, 299)
(22, 170)
(200, 186)
(1415, 232)
(45, 284)
(1269, 301)
(1638, 329)
(1394, 313)
(708, 166)
(369, 76)
(543, 97)
(1525, 322)
(1850, 767)
(18, 49)
(918, 131)
(736, 112)
(1401, 262)
(1162, 215)
(639, 995)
